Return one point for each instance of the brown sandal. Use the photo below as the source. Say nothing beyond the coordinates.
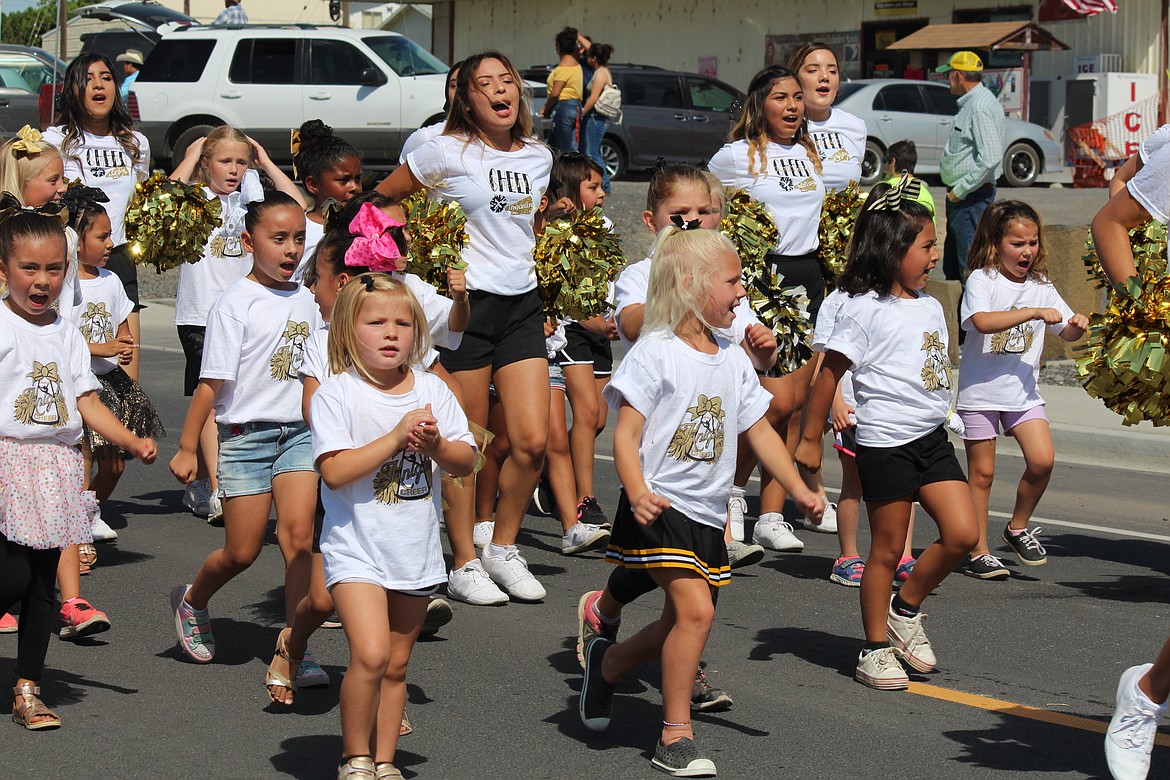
(26, 707)
(87, 556)
(275, 679)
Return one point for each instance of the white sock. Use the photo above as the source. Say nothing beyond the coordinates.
(771, 517)
(493, 550)
(737, 491)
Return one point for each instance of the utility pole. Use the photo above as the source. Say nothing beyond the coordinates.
(62, 43)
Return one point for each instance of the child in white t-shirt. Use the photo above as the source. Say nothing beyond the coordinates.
(683, 396)
(381, 434)
(1008, 303)
(331, 170)
(895, 341)
(256, 334)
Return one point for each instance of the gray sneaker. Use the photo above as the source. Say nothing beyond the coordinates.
(740, 554)
(1026, 546)
(682, 759)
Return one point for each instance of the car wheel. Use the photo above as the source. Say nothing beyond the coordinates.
(613, 156)
(1021, 165)
(185, 139)
(871, 163)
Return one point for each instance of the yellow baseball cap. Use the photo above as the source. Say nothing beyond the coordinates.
(967, 61)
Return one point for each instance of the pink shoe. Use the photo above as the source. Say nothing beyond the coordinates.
(589, 626)
(8, 624)
(905, 566)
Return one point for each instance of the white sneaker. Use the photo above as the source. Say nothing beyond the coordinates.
(215, 510)
(471, 585)
(101, 531)
(828, 524)
(880, 669)
(481, 532)
(1130, 738)
(736, 509)
(583, 537)
(774, 533)
(909, 640)
(196, 497)
(511, 573)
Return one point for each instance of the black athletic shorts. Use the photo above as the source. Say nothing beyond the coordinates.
(503, 329)
(888, 473)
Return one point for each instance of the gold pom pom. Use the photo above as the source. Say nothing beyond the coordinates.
(576, 259)
(437, 236)
(168, 222)
(1148, 242)
(838, 214)
(750, 227)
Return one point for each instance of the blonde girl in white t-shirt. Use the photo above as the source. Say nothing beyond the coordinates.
(48, 390)
(488, 162)
(381, 434)
(1008, 303)
(893, 336)
(224, 162)
(256, 335)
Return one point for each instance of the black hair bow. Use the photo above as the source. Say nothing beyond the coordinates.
(683, 224)
(78, 196)
(10, 207)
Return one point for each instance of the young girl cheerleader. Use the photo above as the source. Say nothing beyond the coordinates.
(773, 157)
(97, 138)
(894, 338)
(256, 334)
(381, 434)
(222, 162)
(683, 395)
(331, 170)
(487, 161)
(49, 391)
(1008, 303)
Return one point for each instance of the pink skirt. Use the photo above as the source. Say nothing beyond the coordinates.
(42, 505)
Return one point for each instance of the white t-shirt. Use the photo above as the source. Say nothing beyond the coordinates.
(255, 341)
(100, 161)
(313, 235)
(695, 406)
(45, 368)
(841, 141)
(633, 284)
(1151, 185)
(420, 137)
(788, 186)
(999, 371)
(1153, 142)
(901, 372)
(224, 263)
(316, 360)
(384, 526)
(103, 309)
(500, 192)
(826, 319)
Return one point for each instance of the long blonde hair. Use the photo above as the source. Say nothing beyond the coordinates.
(221, 134)
(343, 341)
(19, 166)
(752, 126)
(682, 264)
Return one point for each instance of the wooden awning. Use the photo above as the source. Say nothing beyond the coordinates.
(1009, 36)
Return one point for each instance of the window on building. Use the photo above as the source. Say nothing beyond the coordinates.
(265, 61)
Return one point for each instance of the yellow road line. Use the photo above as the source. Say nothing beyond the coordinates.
(1018, 710)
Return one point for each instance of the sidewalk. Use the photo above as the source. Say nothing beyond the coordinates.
(1083, 430)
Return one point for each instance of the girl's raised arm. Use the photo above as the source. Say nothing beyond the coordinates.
(282, 182)
(400, 184)
(186, 170)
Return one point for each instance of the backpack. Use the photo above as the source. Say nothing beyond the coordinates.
(609, 102)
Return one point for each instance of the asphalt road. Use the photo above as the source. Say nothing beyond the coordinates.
(496, 693)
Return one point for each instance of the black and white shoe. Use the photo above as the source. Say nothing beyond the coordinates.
(1026, 546)
(596, 694)
(682, 759)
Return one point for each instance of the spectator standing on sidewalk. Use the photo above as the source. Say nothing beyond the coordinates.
(233, 13)
(972, 159)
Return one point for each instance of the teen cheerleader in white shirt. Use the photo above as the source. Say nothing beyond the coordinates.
(838, 135)
(894, 338)
(47, 392)
(487, 161)
(256, 334)
(683, 395)
(1008, 303)
(381, 434)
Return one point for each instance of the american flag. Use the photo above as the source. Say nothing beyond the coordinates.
(1091, 7)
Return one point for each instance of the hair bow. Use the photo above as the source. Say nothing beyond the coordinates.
(294, 148)
(10, 206)
(29, 141)
(373, 247)
(78, 196)
(683, 224)
(891, 199)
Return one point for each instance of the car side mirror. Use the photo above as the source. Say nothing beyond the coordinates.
(372, 77)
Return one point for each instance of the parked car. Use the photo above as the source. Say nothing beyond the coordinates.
(23, 71)
(665, 114)
(142, 26)
(924, 112)
(373, 87)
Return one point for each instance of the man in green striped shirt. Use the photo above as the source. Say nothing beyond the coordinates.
(972, 159)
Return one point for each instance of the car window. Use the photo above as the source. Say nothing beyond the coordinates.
(177, 61)
(708, 95)
(639, 89)
(336, 62)
(845, 90)
(942, 101)
(901, 97)
(24, 72)
(264, 61)
(405, 56)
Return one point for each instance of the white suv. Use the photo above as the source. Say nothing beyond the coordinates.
(372, 86)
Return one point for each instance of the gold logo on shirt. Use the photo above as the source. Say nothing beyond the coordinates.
(808, 185)
(839, 156)
(285, 361)
(405, 477)
(522, 206)
(1014, 341)
(699, 436)
(43, 403)
(936, 368)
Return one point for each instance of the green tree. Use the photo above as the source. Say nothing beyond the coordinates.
(26, 27)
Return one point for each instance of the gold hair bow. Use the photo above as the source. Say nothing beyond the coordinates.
(29, 141)
(294, 147)
(891, 199)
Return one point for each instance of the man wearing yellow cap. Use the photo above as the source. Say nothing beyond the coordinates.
(972, 159)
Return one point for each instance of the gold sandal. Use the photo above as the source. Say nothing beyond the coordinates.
(274, 678)
(405, 728)
(87, 557)
(26, 706)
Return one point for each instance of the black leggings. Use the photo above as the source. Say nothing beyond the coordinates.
(626, 585)
(28, 577)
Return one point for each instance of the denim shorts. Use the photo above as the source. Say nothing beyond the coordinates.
(250, 455)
